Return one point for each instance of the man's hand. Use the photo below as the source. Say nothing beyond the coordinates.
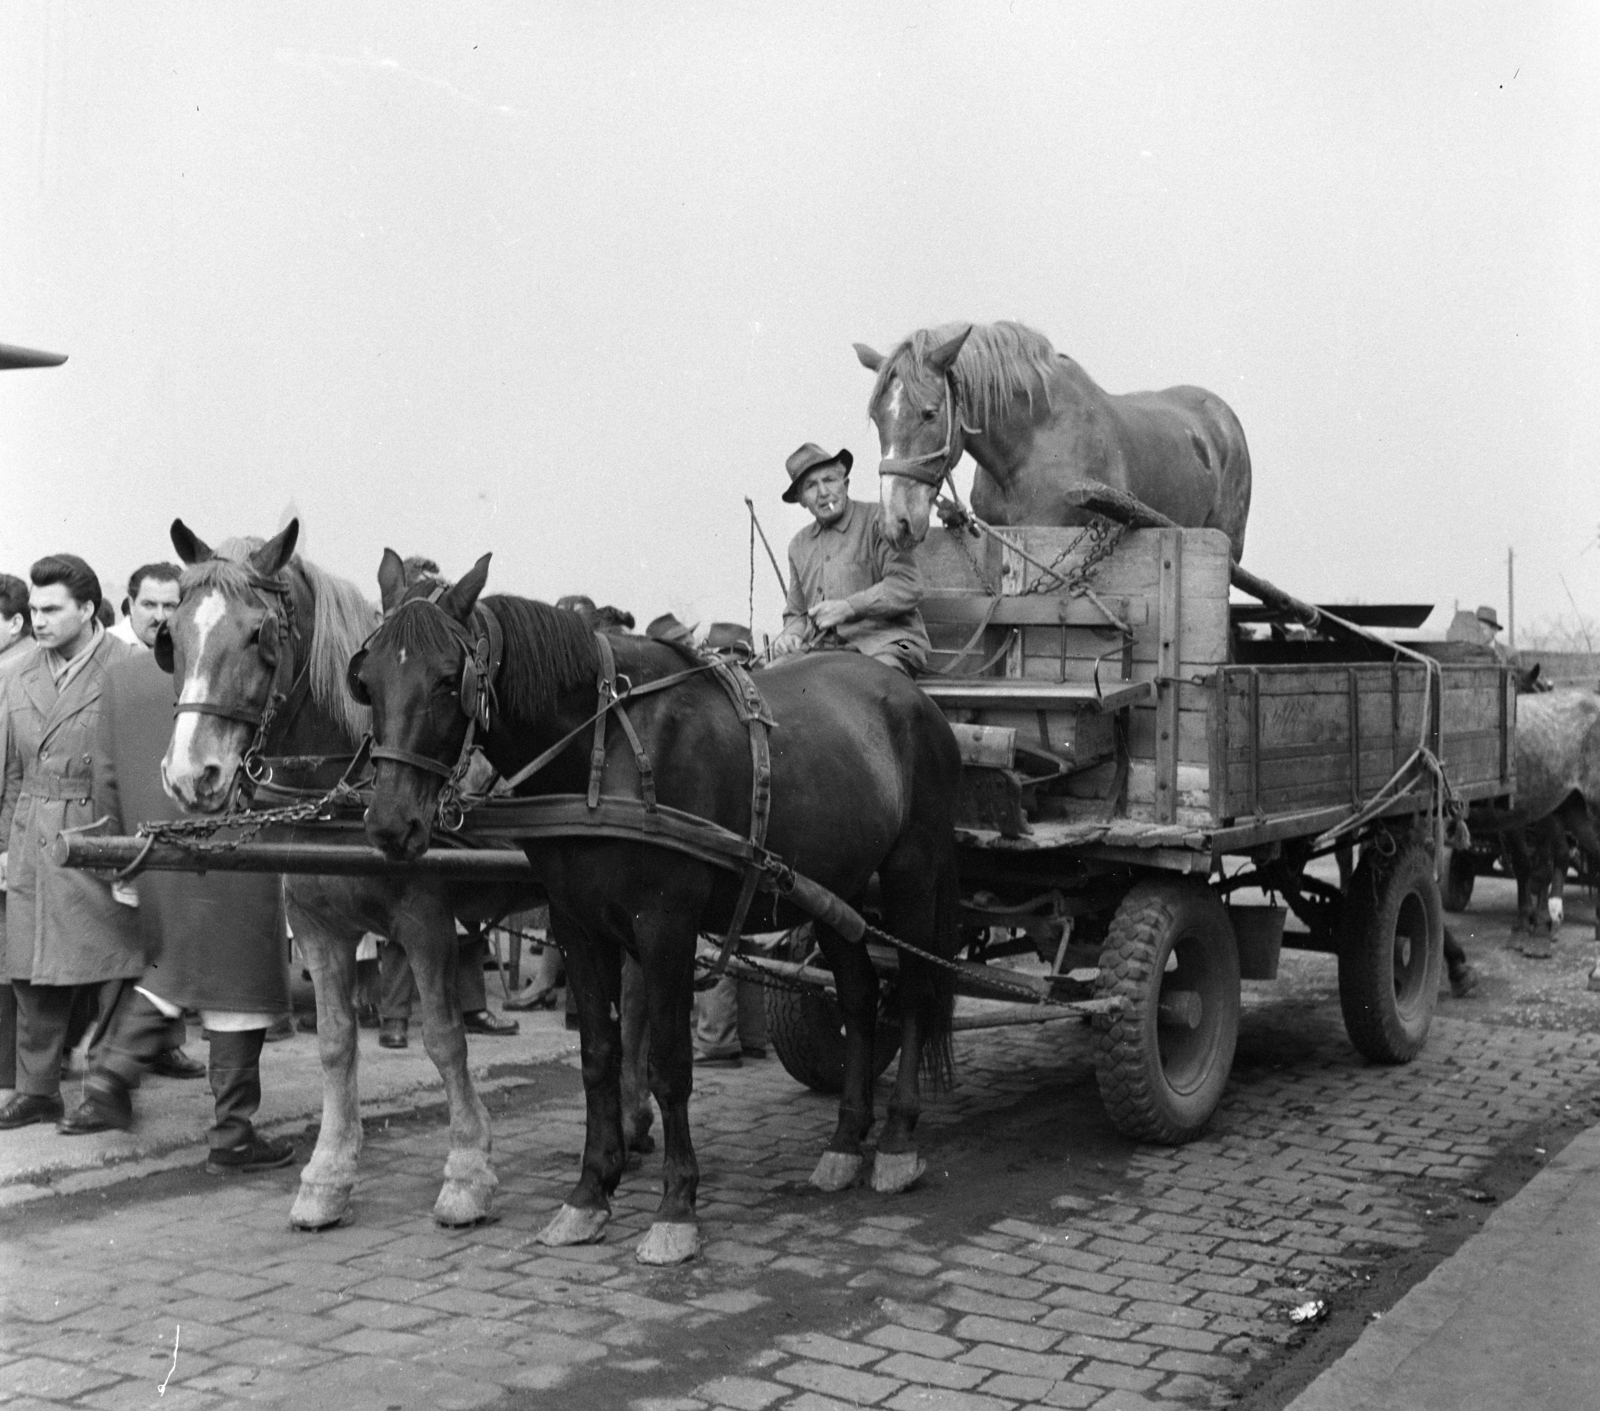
(834, 612)
(786, 644)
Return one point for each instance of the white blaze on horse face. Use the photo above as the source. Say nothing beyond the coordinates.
(891, 419)
(180, 764)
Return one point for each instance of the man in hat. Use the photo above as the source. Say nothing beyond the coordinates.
(847, 585)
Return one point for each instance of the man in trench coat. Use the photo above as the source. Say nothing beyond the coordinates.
(63, 927)
(216, 943)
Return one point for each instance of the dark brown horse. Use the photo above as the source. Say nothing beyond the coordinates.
(1038, 426)
(229, 657)
(865, 774)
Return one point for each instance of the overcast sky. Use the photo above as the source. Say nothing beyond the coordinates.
(567, 282)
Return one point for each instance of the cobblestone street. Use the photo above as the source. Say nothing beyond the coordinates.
(1043, 1260)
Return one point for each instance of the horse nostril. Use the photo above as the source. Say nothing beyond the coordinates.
(209, 781)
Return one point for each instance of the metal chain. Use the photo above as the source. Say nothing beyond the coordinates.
(194, 834)
(1103, 536)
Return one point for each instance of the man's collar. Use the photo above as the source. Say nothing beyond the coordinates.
(839, 525)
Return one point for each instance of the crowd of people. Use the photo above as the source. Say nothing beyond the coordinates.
(85, 715)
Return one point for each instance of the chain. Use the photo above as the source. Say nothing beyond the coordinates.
(195, 834)
(1103, 536)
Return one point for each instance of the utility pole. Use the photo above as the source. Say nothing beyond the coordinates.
(1511, 598)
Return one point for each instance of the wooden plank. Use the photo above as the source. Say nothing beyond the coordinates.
(969, 609)
(1006, 694)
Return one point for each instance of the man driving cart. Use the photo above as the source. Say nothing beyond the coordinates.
(848, 588)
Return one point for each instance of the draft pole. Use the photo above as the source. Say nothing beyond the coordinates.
(1511, 597)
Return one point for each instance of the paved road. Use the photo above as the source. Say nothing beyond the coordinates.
(1043, 1261)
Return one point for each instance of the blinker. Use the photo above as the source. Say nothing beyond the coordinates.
(163, 648)
(352, 679)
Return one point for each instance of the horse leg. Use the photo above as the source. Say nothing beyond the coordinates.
(1540, 847)
(425, 926)
(920, 914)
(330, 1175)
(637, 1114)
(666, 956)
(1344, 854)
(857, 985)
(594, 973)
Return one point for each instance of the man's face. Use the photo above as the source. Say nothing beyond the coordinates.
(156, 602)
(11, 629)
(59, 620)
(825, 492)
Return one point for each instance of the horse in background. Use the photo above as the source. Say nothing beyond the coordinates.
(254, 615)
(864, 779)
(1037, 426)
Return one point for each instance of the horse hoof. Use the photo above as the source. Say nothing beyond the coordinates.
(1536, 948)
(836, 1171)
(462, 1203)
(319, 1207)
(669, 1244)
(1594, 980)
(896, 1171)
(1464, 981)
(574, 1226)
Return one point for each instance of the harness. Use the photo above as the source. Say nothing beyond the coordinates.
(270, 638)
(613, 691)
(934, 467)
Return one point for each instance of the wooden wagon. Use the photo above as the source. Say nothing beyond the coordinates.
(1136, 756)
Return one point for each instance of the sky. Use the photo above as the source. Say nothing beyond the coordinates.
(567, 282)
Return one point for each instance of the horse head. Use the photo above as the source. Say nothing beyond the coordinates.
(914, 406)
(230, 643)
(417, 673)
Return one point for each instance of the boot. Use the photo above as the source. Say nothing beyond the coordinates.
(236, 1085)
(137, 1037)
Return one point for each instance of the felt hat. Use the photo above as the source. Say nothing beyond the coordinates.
(1488, 619)
(808, 458)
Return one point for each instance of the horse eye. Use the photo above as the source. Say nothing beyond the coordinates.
(927, 414)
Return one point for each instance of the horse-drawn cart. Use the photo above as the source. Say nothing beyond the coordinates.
(1134, 761)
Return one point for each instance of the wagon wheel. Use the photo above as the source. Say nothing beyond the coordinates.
(1391, 953)
(1163, 1060)
(807, 1029)
(1460, 872)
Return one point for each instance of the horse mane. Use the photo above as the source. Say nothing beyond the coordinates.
(998, 362)
(547, 650)
(342, 619)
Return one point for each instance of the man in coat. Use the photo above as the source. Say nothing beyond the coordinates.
(845, 579)
(215, 943)
(64, 928)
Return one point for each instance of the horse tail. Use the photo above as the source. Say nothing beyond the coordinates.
(938, 994)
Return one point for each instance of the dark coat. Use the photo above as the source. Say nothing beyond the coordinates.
(62, 926)
(215, 942)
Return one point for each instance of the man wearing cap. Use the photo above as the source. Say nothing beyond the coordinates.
(845, 580)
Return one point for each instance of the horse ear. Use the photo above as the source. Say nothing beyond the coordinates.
(277, 551)
(190, 549)
(943, 358)
(391, 580)
(462, 598)
(868, 357)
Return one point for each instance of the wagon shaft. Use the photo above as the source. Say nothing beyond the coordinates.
(323, 859)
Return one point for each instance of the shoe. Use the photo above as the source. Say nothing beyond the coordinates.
(392, 1034)
(528, 999)
(24, 1109)
(258, 1154)
(107, 1106)
(753, 1051)
(718, 1060)
(483, 1021)
(175, 1063)
(367, 1016)
(281, 1028)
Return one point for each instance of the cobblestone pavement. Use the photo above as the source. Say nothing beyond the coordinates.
(1043, 1261)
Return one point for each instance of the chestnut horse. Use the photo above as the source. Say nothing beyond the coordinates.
(1037, 426)
(254, 619)
(864, 778)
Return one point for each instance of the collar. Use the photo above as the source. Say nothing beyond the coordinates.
(64, 669)
(840, 526)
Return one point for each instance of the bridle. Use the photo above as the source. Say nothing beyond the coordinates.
(475, 694)
(934, 468)
(270, 638)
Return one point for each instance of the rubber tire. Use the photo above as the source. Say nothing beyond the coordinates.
(1455, 887)
(1148, 1094)
(807, 1033)
(1388, 987)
